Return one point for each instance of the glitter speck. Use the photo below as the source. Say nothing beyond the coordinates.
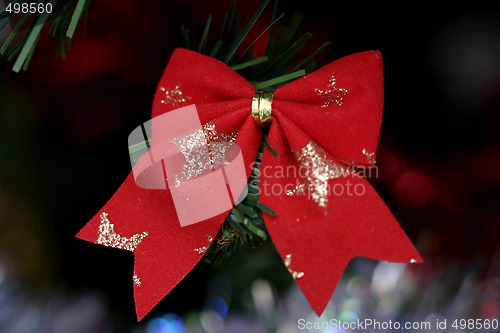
(204, 249)
(369, 156)
(137, 280)
(174, 97)
(288, 262)
(201, 250)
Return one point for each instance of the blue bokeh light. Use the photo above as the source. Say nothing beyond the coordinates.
(169, 323)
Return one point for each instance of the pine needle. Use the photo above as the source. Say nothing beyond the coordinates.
(256, 39)
(30, 45)
(244, 33)
(14, 33)
(311, 57)
(75, 18)
(203, 42)
(279, 80)
(250, 63)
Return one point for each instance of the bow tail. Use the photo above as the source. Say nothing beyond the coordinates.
(145, 223)
(316, 243)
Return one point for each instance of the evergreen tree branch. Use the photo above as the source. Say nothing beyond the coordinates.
(63, 19)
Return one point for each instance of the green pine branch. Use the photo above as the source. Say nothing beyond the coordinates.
(62, 16)
(283, 59)
(244, 224)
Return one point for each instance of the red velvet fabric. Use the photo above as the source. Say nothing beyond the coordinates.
(315, 241)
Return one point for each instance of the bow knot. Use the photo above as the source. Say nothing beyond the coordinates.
(262, 107)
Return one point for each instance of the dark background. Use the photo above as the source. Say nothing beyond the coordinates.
(64, 126)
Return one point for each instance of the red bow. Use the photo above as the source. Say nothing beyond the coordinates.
(323, 123)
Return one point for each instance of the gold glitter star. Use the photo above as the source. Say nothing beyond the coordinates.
(316, 170)
(332, 95)
(200, 154)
